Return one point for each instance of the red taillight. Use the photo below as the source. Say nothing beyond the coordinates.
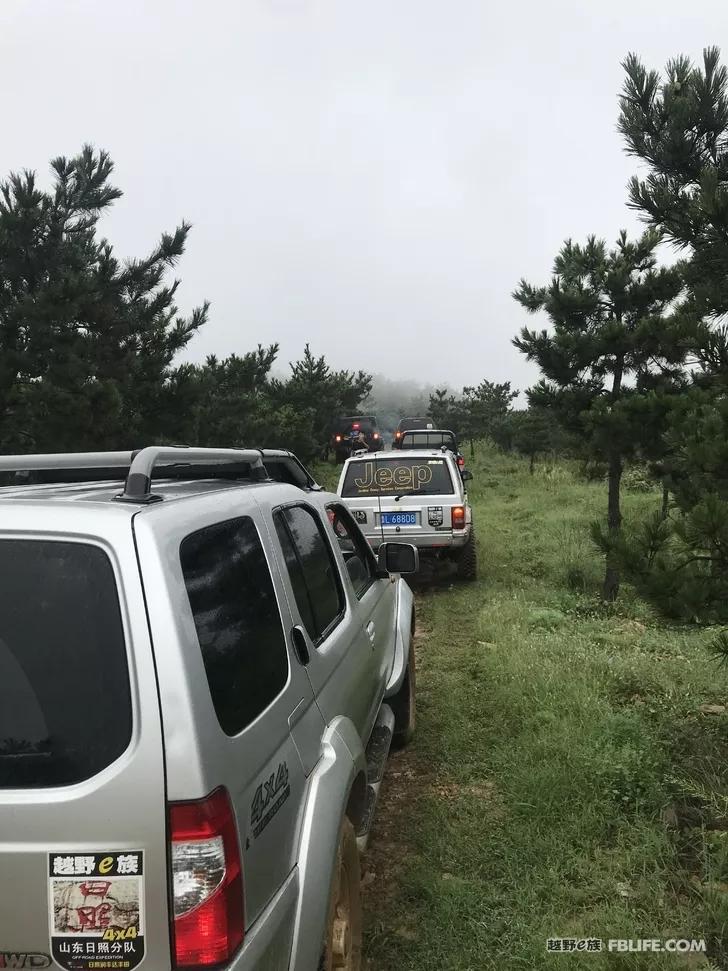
(375, 435)
(338, 438)
(398, 434)
(207, 881)
(355, 426)
(458, 517)
(461, 462)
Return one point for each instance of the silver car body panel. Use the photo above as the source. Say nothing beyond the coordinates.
(404, 631)
(318, 725)
(342, 762)
(121, 808)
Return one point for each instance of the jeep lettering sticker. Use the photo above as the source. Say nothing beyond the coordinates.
(268, 799)
(384, 477)
(96, 903)
(395, 476)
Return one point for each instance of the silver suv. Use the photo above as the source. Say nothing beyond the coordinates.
(202, 666)
(415, 495)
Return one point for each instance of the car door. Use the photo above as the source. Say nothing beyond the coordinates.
(376, 597)
(342, 652)
(251, 723)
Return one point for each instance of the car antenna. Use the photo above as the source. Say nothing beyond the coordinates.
(379, 494)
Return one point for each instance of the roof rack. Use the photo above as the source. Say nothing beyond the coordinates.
(141, 464)
(139, 480)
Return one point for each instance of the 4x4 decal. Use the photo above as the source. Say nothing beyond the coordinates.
(268, 799)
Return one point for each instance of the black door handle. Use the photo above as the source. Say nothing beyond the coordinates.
(300, 646)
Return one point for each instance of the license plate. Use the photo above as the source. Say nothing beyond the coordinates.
(398, 519)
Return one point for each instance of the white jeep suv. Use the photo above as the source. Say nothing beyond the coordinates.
(414, 496)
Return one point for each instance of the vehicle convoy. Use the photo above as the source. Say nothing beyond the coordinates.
(409, 424)
(355, 433)
(418, 496)
(203, 664)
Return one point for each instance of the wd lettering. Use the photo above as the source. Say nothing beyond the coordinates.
(20, 959)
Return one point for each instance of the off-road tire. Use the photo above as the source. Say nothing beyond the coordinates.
(467, 560)
(403, 703)
(343, 935)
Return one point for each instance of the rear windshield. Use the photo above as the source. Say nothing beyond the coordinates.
(408, 423)
(65, 707)
(347, 425)
(421, 439)
(398, 476)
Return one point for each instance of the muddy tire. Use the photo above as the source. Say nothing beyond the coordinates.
(467, 561)
(403, 704)
(343, 936)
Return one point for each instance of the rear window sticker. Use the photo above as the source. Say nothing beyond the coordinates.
(96, 904)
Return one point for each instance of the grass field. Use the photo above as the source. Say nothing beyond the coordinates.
(564, 781)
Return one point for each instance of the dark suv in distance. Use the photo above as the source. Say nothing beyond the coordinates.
(355, 433)
(432, 438)
(409, 424)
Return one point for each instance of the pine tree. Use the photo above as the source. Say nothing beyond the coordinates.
(314, 386)
(679, 127)
(85, 341)
(531, 432)
(677, 124)
(485, 408)
(610, 326)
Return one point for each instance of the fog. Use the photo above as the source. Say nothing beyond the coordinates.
(373, 178)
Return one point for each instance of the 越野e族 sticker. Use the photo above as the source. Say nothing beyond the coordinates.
(96, 903)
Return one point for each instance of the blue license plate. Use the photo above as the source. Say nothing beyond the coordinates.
(398, 519)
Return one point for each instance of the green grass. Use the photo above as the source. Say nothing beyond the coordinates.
(563, 782)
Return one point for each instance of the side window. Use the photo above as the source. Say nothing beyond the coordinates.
(238, 623)
(358, 557)
(313, 570)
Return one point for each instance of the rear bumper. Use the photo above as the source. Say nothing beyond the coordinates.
(345, 448)
(427, 543)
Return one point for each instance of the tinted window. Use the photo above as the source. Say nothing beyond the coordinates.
(424, 439)
(295, 572)
(397, 476)
(237, 619)
(357, 554)
(65, 708)
(407, 423)
(315, 574)
(366, 425)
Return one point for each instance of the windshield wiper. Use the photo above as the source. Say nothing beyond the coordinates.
(412, 492)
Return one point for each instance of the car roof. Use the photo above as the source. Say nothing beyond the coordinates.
(168, 474)
(105, 492)
(398, 456)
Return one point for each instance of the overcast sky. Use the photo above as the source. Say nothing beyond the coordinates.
(371, 176)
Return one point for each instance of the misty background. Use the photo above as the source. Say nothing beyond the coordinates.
(371, 178)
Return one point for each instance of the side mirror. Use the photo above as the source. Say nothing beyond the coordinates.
(398, 558)
(466, 475)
